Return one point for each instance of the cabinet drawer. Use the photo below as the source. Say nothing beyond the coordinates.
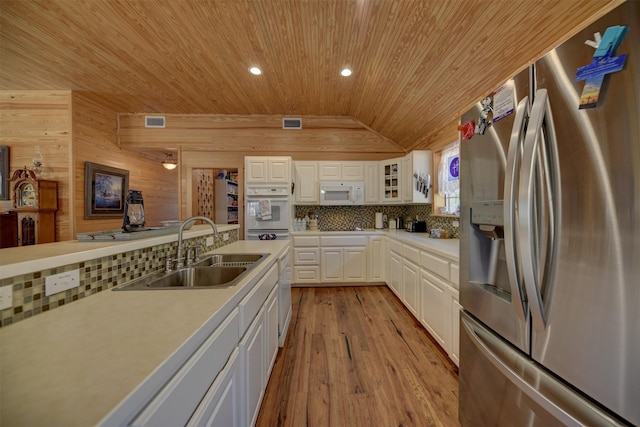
(251, 304)
(306, 274)
(395, 247)
(411, 253)
(306, 256)
(435, 265)
(340, 241)
(175, 403)
(455, 275)
(306, 241)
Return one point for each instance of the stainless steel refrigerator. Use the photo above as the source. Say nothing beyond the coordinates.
(550, 238)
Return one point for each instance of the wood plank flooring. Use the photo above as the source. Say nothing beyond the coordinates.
(355, 356)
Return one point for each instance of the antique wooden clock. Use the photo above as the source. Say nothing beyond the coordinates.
(36, 202)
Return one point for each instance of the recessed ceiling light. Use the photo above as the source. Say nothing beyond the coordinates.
(255, 70)
(345, 72)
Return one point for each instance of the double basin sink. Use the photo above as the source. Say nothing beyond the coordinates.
(212, 272)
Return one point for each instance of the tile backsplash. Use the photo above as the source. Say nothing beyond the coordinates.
(96, 275)
(341, 218)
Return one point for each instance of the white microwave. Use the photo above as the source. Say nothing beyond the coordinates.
(341, 193)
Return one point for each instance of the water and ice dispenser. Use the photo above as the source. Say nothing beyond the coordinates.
(487, 234)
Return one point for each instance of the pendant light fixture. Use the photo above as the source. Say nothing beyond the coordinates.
(169, 162)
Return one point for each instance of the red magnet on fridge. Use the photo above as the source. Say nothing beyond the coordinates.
(467, 130)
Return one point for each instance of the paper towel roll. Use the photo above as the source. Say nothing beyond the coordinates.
(379, 220)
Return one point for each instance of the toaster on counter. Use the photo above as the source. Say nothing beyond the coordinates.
(417, 226)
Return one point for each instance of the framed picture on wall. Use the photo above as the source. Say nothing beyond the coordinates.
(105, 190)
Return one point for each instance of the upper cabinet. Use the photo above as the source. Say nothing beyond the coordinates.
(340, 171)
(306, 182)
(267, 170)
(391, 178)
(416, 173)
(371, 182)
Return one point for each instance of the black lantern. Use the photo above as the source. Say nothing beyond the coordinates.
(133, 212)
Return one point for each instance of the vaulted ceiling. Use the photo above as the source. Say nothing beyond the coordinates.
(417, 64)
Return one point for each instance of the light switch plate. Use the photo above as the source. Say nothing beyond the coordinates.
(209, 241)
(225, 237)
(61, 282)
(6, 297)
(456, 224)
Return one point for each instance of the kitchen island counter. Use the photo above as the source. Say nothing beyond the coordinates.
(73, 365)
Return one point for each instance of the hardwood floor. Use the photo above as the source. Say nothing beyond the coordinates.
(355, 356)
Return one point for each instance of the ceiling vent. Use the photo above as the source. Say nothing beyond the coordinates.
(154, 121)
(289, 123)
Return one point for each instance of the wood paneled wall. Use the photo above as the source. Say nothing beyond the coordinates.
(43, 119)
(255, 134)
(94, 140)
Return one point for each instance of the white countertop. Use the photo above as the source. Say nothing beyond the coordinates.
(72, 365)
(448, 248)
(27, 259)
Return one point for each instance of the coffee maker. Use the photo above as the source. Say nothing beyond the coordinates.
(133, 219)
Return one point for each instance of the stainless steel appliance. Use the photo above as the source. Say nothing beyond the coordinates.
(268, 212)
(341, 193)
(550, 239)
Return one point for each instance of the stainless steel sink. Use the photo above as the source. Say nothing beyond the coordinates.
(213, 272)
(229, 260)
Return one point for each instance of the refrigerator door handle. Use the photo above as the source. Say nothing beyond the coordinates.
(531, 380)
(537, 161)
(518, 299)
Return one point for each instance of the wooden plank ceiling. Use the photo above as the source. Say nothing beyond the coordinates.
(417, 64)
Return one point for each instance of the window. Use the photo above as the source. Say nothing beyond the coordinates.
(447, 196)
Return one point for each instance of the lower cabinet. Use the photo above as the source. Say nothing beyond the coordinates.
(395, 274)
(376, 259)
(434, 306)
(221, 404)
(454, 349)
(253, 351)
(410, 286)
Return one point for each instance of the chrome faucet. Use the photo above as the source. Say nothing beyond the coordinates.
(180, 258)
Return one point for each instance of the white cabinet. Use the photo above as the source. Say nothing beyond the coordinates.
(435, 306)
(376, 259)
(306, 259)
(343, 258)
(347, 264)
(221, 404)
(226, 202)
(340, 171)
(271, 320)
(395, 273)
(416, 166)
(371, 182)
(410, 278)
(306, 182)
(267, 170)
(177, 400)
(253, 350)
(454, 349)
(259, 343)
(391, 178)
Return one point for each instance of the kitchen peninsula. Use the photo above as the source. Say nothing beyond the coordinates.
(75, 364)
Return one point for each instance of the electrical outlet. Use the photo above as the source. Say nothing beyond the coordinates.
(456, 224)
(209, 241)
(6, 297)
(225, 237)
(61, 282)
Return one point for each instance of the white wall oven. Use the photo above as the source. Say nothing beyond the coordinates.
(267, 213)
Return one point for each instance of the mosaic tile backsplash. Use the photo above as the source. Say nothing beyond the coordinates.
(95, 276)
(342, 218)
